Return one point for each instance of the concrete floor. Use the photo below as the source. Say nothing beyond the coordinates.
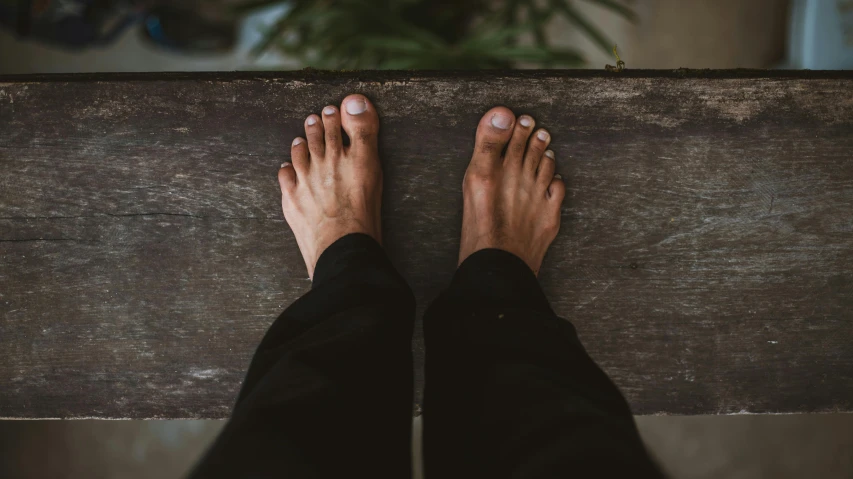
(697, 447)
(670, 34)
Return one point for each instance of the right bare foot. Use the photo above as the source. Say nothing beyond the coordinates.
(512, 200)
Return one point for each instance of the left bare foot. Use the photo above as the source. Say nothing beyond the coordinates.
(328, 190)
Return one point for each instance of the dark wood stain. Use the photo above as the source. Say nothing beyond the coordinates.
(705, 255)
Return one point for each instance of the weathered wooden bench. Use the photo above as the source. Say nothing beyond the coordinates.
(705, 257)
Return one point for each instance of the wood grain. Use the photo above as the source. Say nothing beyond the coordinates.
(705, 255)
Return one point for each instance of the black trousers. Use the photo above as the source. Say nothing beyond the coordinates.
(510, 392)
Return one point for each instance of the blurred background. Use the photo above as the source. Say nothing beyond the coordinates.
(64, 36)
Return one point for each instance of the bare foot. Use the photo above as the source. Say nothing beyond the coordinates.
(512, 200)
(329, 190)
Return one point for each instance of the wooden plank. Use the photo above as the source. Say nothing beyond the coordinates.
(705, 255)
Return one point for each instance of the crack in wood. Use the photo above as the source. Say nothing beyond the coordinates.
(128, 215)
(40, 239)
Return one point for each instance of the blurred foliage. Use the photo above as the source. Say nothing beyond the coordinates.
(427, 34)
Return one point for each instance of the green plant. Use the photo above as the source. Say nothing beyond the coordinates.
(427, 34)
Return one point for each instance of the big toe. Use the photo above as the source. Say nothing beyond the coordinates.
(360, 121)
(493, 133)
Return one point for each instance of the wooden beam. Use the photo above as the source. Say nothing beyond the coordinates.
(705, 255)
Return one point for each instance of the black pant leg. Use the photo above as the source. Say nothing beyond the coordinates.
(329, 390)
(510, 390)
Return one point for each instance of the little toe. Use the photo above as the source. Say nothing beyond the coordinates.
(536, 150)
(518, 142)
(299, 155)
(316, 136)
(493, 133)
(286, 177)
(547, 167)
(361, 123)
(332, 127)
(557, 189)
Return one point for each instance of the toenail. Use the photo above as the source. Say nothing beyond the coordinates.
(501, 121)
(329, 110)
(542, 135)
(549, 154)
(285, 164)
(311, 120)
(558, 176)
(297, 141)
(525, 122)
(356, 106)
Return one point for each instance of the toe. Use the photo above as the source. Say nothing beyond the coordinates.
(299, 155)
(361, 123)
(555, 194)
(518, 142)
(332, 127)
(557, 189)
(493, 133)
(286, 177)
(547, 167)
(316, 136)
(536, 150)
